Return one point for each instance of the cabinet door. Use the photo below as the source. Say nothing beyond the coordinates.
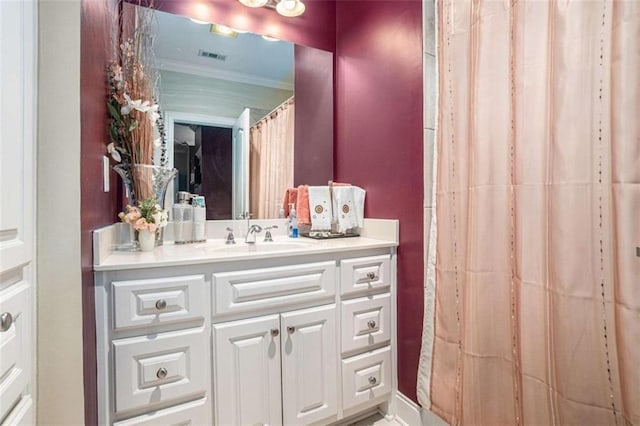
(247, 372)
(309, 365)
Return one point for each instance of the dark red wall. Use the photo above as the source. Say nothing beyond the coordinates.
(98, 208)
(313, 116)
(379, 141)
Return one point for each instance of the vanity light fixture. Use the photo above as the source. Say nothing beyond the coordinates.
(223, 30)
(288, 8)
(269, 38)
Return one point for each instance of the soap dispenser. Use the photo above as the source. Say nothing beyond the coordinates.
(183, 218)
(293, 221)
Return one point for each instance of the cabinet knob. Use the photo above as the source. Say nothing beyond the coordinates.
(372, 380)
(371, 324)
(162, 373)
(291, 329)
(275, 332)
(371, 275)
(5, 321)
(161, 304)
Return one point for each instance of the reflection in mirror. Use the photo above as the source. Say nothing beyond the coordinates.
(229, 110)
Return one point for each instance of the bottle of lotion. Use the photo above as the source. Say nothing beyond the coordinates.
(293, 222)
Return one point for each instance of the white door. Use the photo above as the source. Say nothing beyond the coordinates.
(247, 372)
(17, 198)
(309, 365)
(240, 165)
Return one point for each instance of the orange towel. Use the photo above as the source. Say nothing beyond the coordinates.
(290, 197)
(302, 206)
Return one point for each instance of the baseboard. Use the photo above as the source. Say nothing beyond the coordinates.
(410, 414)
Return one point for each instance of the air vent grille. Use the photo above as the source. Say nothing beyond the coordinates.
(212, 55)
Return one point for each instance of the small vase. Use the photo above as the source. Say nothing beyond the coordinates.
(146, 239)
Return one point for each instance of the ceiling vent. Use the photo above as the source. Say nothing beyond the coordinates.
(212, 55)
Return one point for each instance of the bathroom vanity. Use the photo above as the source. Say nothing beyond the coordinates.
(292, 332)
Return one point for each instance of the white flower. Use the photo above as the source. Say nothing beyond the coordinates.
(160, 218)
(111, 149)
(131, 105)
(152, 112)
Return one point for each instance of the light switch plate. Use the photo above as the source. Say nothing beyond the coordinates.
(105, 174)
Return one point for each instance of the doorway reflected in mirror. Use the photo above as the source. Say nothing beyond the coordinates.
(203, 157)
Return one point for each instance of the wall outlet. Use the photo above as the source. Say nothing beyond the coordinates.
(105, 174)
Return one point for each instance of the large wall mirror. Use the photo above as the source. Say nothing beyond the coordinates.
(246, 116)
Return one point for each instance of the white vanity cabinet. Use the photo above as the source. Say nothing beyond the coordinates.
(277, 369)
(302, 338)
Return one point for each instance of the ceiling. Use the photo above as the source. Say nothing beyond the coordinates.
(249, 58)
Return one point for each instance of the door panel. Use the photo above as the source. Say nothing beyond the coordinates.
(240, 164)
(18, 49)
(247, 372)
(309, 365)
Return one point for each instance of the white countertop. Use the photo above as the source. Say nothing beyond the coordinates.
(379, 234)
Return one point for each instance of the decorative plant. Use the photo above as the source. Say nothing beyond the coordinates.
(148, 215)
(136, 127)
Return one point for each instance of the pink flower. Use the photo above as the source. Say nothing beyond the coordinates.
(140, 224)
(152, 227)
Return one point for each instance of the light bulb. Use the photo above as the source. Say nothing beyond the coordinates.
(290, 8)
(254, 3)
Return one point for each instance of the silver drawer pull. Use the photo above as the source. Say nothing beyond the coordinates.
(275, 332)
(162, 373)
(372, 380)
(161, 304)
(371, 324)
(371, 275)
(5, 321)
(291, 329)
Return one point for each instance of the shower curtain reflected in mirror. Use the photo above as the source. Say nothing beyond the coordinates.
(271, 160)
(536, 307)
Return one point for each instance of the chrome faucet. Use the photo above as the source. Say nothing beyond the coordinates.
(251, 234)
(267, 236)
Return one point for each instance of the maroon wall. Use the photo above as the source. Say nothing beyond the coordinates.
(312, 164)
(379, 141)
(98, 208)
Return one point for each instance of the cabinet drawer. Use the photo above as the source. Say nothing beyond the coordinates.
(158, 301)
(242, 291)
(191, 413)
(15, 343)
(366, 377)
(366, 321)
(159, 368)
(365, 273)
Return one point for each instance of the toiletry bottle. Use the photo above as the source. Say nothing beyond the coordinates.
(199, 219)
(293, 223)
(183, 219)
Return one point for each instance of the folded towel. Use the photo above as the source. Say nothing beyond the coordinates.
(302, 206)
(290, 197)
(348, 207)
(320, 208)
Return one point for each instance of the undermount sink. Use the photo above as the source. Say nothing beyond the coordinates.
(261, 247)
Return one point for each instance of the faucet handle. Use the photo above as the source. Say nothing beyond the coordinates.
(230, 238)
(267, 236)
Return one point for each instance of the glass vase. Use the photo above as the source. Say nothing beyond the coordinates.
(142, 181)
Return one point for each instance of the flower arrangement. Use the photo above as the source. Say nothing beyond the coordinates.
(134, 126)
(148, 216)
